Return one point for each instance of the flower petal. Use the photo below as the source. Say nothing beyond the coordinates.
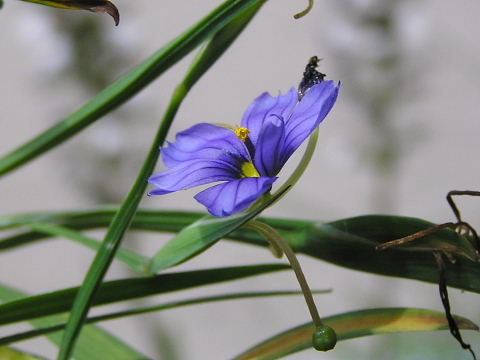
(269, 146)
(231, 197)
(204, 141)
(193, 173)
(307, 115)
(263, 107)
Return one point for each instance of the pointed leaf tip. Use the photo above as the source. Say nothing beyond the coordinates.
(108, 8)
(101, 6)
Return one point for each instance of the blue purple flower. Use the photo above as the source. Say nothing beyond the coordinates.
(244, 161)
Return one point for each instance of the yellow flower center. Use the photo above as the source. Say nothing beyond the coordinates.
(242, 133)
(249, 170)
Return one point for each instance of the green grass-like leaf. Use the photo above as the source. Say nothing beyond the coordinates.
(347, 242)
(7, 353)
(94, 343)
(147, 309)
(202, 234)
(127, 289)
(353, 325)
(135, 261)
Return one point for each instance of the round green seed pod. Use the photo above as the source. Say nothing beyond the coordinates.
(324, 338)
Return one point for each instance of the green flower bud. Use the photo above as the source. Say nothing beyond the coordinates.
(324, 338)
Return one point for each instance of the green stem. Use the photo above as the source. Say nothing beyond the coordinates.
(278, 242)
(304, 12)
(302, 166)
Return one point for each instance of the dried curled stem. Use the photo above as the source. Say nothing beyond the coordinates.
(461, 227)
(442, 286)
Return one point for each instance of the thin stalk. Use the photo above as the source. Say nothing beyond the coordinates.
(143, 310)
(278, 242)
(302, 166)
(304, 12)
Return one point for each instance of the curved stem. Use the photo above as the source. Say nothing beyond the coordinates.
(278, 242)
(304, 12)
(302, 166)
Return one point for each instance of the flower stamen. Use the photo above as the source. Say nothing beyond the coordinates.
(242, 133)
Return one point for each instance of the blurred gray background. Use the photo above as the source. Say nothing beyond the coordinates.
(402, 134)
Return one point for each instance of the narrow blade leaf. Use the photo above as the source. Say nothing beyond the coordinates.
(351, 241)
(142, 310)
(7, 353)
(94, 343)
(101, 6)
(353, 325)
(137, 262)
(347, 242)
(127, 289)
(202, 234)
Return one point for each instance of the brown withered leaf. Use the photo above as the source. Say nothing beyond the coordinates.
(101, 6)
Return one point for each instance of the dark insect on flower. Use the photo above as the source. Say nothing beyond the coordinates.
(310, 77)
